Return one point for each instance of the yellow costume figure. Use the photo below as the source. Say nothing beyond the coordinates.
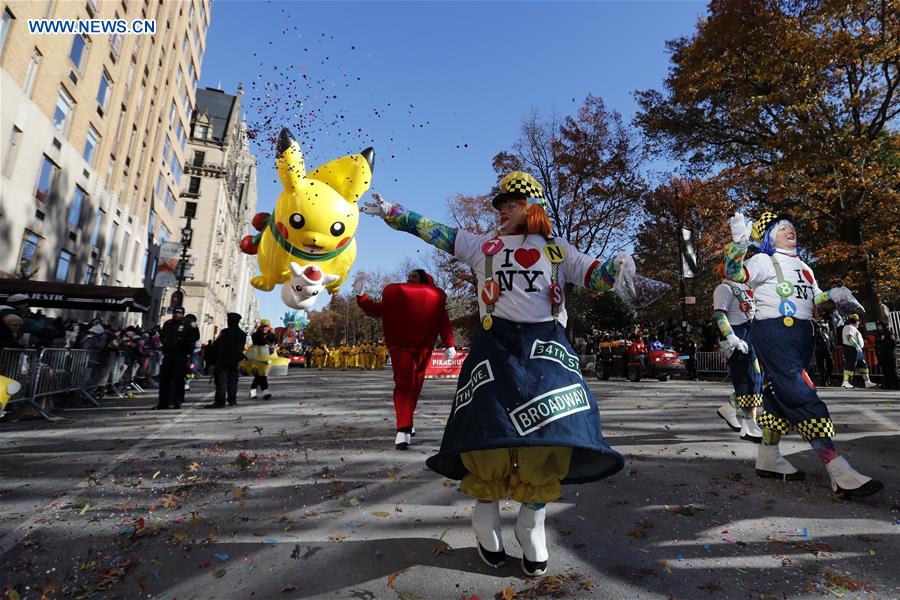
(318, 356)
(381, 354)
(8, 388)
(315, 217)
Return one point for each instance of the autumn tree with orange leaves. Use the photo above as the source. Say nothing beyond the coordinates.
(799, 99)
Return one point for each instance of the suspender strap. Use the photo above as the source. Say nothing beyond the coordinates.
(488, 275)
(779, 274)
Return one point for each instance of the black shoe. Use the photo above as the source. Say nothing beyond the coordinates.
(492, 559)
(798, 476)
(402, 446)
(214, 405)
(533, 569)
(232, 403)
(751, 438)
(873, 486)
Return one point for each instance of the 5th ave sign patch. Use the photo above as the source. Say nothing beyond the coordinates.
(549, 407)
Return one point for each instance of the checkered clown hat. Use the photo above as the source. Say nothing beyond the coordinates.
(758, 233)
(519, 184)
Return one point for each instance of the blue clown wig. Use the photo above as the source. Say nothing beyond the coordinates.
(767, 246)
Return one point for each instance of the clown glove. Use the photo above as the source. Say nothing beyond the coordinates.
(740, 230)
(632, 287)
(737, 343)
(378, 207)
(449, 353)
(844, 301)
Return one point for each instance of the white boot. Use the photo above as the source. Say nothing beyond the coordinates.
(402, 440)
(267, 395)
(486, 523)
(729, 414)
(868, 382)
(750, 431)
(770, 463)
(848, 483)
(531, 536)
(413, 432)
(846, 383)
(252, 393)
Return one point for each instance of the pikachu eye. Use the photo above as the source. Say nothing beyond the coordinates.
(297, 221)
(337, 229)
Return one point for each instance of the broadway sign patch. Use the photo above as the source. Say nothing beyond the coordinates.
(549, 407)
(481, 375)
(557, 353)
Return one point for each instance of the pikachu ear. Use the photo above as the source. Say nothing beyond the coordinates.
(350, 176)
(289, 161)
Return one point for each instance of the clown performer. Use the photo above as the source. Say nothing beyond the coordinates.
(783, 336)
(414, 313)
(523, 420)
(733, 309)
(262, 346)
(854, 358)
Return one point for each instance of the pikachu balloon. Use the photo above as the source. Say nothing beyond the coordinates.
(315, 217)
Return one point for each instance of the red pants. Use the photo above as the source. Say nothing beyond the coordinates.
(409, 376)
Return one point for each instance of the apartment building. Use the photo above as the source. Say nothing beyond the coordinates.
(220, 190)
(93, 135)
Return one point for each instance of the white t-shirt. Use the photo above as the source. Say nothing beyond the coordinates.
(735, 300)
(762, 278)
(522, 269)
(849, 335)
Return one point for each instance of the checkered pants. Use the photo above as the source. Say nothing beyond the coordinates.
(790, 400)
(744, 371)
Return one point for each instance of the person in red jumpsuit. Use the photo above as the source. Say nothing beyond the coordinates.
(414, 313)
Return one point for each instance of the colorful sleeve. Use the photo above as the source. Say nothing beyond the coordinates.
(601, 277)
(734, 262)
(722, 321)
(438, 235)
(821, 297)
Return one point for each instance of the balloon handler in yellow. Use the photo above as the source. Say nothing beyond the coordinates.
(314, 224)
(8, 388)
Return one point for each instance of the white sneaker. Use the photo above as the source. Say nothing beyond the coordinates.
(413, 432)
(252, 393)
(750, 431)
(847, 385)
(267, 395)
(486, 523)
(848, 483)
(771, 464)
(402, 440)
(871, 384)
(531, 537)
(729, 414)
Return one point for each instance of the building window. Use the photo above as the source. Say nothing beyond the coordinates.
(88, 275)
(194, 185)
(98, 225)
(184, 45)
(31, 74)
(63, 113)
(179, 77)
(176, 169)
(103, 91)
(173, 110)
(170, 201)
(167, 149)
(29, 254)
(12, 149)
(113, 230)
(134, 256)
(115, 45)
(123, 251)
(76, 206)
(90, 145)
(199, 158)
(201, 132)
(5, 26)
(66, 259)
(78, 51)
(46, 179)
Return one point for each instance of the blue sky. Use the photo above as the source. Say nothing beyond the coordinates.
(437, 88)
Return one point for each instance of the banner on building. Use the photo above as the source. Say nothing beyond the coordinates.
(438, 368)
(166, 268)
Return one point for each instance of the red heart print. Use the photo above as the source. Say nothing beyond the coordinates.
(808, 276)
(527, 256)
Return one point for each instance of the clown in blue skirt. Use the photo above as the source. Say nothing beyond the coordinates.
(523, 422)
(733, 309)
(783, 335)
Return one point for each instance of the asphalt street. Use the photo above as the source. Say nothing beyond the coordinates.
(304, 496)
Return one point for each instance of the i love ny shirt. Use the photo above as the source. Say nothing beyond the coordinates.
(761, 276)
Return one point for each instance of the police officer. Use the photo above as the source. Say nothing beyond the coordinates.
(177, 338)
(225, 353)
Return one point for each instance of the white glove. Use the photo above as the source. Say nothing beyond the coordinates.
(449, 353)
(737, 343)
(377, 207)
(740, 232)
(359, 284)
(625, 272)
(844, 301)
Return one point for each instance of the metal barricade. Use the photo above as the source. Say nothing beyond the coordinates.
(711, 362)
(62, 371)
(19, 365)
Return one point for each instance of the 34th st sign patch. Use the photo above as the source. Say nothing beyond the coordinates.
(556, 352)
(549, 407)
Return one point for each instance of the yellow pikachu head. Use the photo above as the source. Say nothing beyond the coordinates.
(316, 212)
(8, 387)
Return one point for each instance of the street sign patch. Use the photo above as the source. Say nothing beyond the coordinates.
(549, 407)
(556, 352)
(481, 375)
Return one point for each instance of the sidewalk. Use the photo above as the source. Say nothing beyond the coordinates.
(304, 496)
